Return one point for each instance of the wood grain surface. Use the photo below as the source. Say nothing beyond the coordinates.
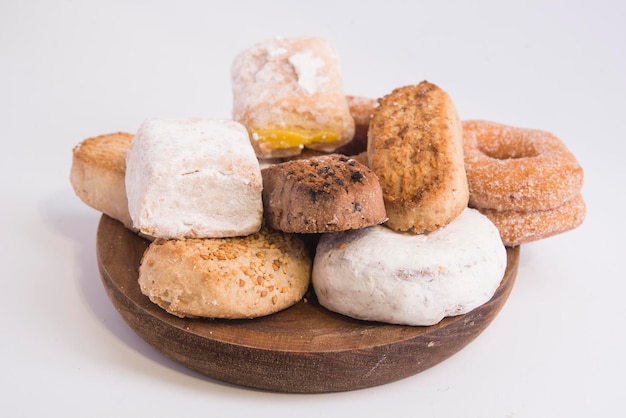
(303, 349)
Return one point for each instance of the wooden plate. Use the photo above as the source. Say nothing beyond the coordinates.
(304, 349)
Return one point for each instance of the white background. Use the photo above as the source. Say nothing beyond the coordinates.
(70, 70)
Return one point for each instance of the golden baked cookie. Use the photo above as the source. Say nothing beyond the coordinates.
(234, 278)
(415, 148)
(97, 174)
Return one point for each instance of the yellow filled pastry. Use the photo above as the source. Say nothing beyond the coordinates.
(288, 93)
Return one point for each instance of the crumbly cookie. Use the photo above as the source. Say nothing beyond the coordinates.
(321, 194)
(234, 278)
(415, 148)
(97, 174)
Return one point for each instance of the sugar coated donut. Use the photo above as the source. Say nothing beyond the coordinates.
(521, 227)
(511, 168)
(381, 275)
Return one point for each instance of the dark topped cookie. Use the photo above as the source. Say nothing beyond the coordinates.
(321, 194)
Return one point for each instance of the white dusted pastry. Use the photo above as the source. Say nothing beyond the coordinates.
(381, 275)
(288, 92)
(193, 178)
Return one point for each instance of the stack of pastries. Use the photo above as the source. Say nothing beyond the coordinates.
(367, 202)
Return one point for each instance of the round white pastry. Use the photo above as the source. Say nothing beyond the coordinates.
(381, 275)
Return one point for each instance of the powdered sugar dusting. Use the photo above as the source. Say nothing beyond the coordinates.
(382, 275)
(193, 178)
(291, 83)
(307, 66)
(275, 51)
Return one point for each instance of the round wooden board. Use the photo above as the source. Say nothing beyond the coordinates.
(303, 349)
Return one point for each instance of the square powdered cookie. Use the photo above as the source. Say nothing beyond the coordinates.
(193, 178)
